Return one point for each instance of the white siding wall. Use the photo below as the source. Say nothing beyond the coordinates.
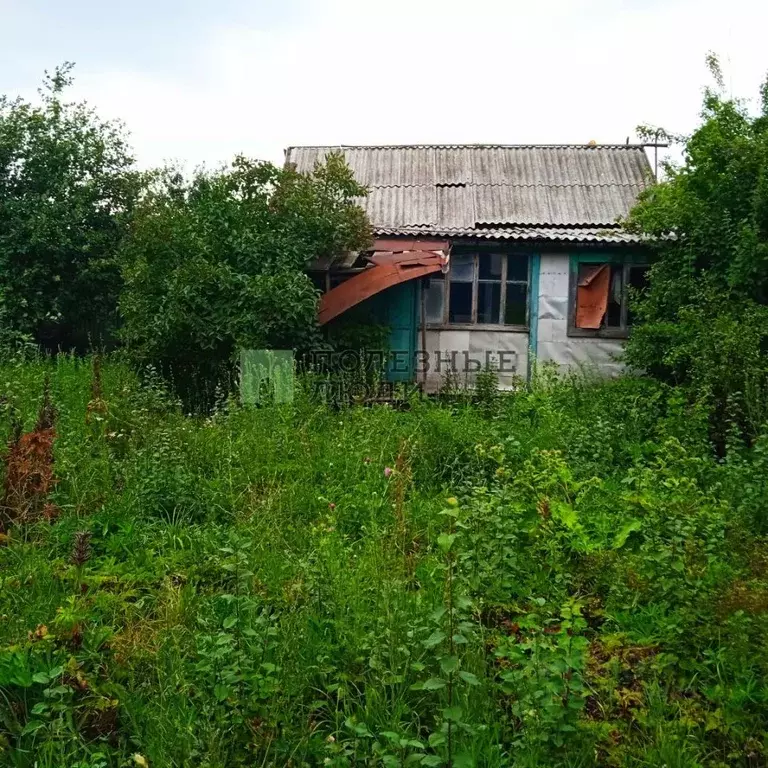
(554, 344)
(476, 344)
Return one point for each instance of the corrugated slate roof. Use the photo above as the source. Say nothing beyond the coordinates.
(574, 192)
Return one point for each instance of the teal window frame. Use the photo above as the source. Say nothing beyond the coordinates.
(626, 261)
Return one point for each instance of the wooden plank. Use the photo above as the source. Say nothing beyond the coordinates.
(407, 257)
(410, 244)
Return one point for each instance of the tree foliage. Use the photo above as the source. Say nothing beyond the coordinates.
(705, 314)
(67, 186)
(219, 261)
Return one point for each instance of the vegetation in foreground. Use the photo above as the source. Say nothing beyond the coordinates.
(566, 576)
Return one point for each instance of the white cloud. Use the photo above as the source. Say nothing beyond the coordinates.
(408, 71)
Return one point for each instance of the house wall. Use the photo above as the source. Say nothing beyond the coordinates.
(462, 351)
(553, 342)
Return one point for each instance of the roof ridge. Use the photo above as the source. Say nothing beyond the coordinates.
(465, 184)
(466, 146)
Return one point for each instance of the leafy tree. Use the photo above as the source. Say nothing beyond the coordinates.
(704, 318)
(219, 261)
(67, 186)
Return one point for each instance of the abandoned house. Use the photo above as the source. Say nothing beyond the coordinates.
(491, 255)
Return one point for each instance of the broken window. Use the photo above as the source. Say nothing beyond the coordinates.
(483, 289)
(602, 295)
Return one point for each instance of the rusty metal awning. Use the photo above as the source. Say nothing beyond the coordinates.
(392, 261)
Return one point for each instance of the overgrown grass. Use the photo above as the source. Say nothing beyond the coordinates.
(567, 578)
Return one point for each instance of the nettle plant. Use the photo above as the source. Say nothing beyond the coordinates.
(449, 652)
(542, 663)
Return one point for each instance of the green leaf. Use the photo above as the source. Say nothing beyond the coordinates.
(453, 714)
(434, 639)
(436, 739)
(468, 677)
(462, 602)
(445, 541)
(624, 532)
(434, 684)
(31, 727)
(230, 622)
(41, 677)
(221, 692)
(449, 664)
(432, 760)
(565, 514)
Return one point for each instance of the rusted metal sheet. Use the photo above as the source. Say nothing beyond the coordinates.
(414, 259)
(592, 296)
(366, 284)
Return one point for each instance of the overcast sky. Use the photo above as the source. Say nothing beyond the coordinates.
(198, 81)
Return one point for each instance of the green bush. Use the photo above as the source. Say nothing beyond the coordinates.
(703, 322)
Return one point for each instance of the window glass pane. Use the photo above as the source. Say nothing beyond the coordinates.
(490, 266)
(463, 268)
(517, 267)
(434, 299)
(460, 303)
(488, 302)
(638, 280)
(613, 313)
(516, 309)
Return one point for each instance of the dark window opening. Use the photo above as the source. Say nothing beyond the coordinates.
(517, 268)
(460, 303)
(488, 302)
(516, 307)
